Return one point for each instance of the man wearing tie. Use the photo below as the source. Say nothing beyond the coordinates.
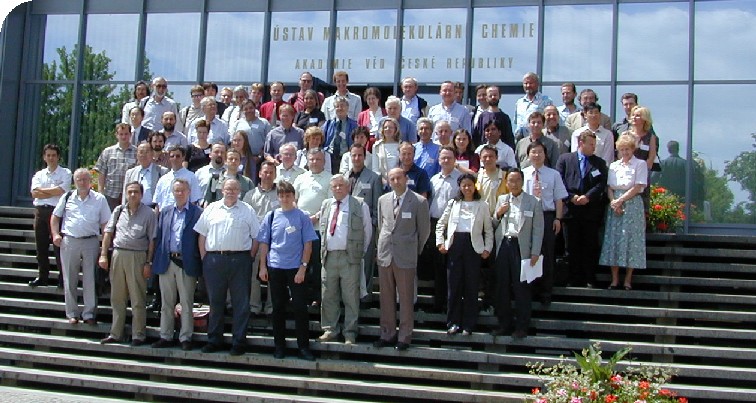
(345, 229)
(338, 132)
(584, 175)
(519, 232)
(404, 226)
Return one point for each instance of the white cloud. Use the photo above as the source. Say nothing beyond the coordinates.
(724, 44)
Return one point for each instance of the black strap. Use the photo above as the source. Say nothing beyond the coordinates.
(270, 230)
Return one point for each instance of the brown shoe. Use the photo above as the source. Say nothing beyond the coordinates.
(109, 340)
(90, 321)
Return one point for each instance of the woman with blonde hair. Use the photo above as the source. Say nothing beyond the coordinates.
(386, 150)
(647, 143)
(313, 138)
(625, 232)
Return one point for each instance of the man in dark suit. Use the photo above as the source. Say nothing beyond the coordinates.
(404, 225)
(146, 172)
(338, 132)
(139, 133)
(367, 186)
(584, 176)
(177, 263)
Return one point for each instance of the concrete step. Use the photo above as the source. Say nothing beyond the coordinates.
(13, 211)
(687, 251)
(718, 267)
(621, 296)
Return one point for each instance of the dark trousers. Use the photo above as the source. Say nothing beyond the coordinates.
(314, 266)
(582, 246)
(113, 202)
(544, 284)
(432, 265)
(43, 240)
(279, 280)
(463, 270)
(228, 274)
(508, 263)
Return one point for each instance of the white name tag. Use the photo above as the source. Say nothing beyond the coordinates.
(406, 214)
(291, 229)
(313, 120)
(645, 147)
(342, 135)
(255, 126)
(410, 182)
(528, 214)
(138, 227)
(364, 186)
(595, 173)
(567, 143)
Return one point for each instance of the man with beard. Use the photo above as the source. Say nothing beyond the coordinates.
(157, 104)
(493, 113)
(156, 140)
(569, 92)
(172, 136)
(217, 161)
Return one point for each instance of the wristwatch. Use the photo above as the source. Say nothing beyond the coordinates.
(304, 264)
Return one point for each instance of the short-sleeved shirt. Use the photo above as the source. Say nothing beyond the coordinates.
(228, 228)
(153, 112)
(457, 115)
(444, 188)
(524, 107)
(624, 176)
(164, 196)
(311, 189)
(43, 179)
(132, 232)
(355, 106)
(418, 180)
(288, 175)
(262, 201)
(491, 187)
(257, 130)
(426, 157)
(279, 136)
(82, 217)
(286, 237)
(505, 157)
(114, 161)
(552, 186)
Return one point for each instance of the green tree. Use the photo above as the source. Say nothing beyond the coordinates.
(742, 169)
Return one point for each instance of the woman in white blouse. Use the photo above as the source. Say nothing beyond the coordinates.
(386, 150)
(465, 233)
(625, 233)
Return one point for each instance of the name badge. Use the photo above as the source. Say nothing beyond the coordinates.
(207, 151)
(274, 203)
(291, 229)
(313, 120)
(138, 227)
(629, 171)
(645, 147)
(364, 186)
(410, 182)
(567, 143)
(406, 214)
(595, 173)
(528, 214)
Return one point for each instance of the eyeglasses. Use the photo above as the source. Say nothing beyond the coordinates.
(161, 85)
(197, 95)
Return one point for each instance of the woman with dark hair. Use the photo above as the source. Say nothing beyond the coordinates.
(465, 233)
(141, 90)
(248, 167)
(311, 115)
(198, 153)
(371, 117)
(467, 161)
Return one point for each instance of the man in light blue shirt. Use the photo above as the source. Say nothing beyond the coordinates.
(449, 110)
(532, 101)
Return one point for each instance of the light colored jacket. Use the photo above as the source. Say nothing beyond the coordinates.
(530, 233)
(481, 233)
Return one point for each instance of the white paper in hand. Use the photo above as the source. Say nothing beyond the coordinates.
(529, 273)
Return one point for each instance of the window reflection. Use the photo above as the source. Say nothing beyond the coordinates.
(367, 43)
(433, 45)
(724, 40)
(505, 43)
(299, 42)
(117, 45)
(171, 45)
(234, 46)
(717, 141)
(577, 43)
(100, 112)
(53, 119)
(652, 42)
(61, 35)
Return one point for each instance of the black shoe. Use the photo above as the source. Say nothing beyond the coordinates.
(138, 342)
(186, 345)
(501, 332)
(306, 354)
(279, 353)
(210, 348)
(452, 330)
(38, 282)
(402, 346)
(237, 350)
(380, 343)
(154, 306)
(162, 343)
(519, 334)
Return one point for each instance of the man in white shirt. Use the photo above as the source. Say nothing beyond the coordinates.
(157, 104)
(47, 187)
(413, 106)
(341, 79)
(449, 110)
(604, 137)
(218, 128)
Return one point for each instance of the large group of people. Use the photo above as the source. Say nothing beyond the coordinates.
(311, 193)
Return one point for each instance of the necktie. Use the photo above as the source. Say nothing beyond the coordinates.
(274, 116)
(336, 144)
(537, 185)
(396, 207)
(332, 228)
(582, 167)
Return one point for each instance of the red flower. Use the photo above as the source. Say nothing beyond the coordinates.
(535, 391)
(593, 395)
(667, 392)
(682, 400)
(610, 399)
(643, 385)
(659, 190)
(662, 226)
(658, 207)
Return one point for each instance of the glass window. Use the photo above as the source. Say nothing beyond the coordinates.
(171, 45)
(433, 45)
(366, 45)
(101, 104)
(113, 50)
(54, 118)
(603, 92)
(724, 180)
(61, 36)
(505, 43)
(299, 42)
(665, 25)
(577, 43)
(724, 45)
(234, 47)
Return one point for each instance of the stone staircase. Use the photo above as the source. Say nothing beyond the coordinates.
(693, 309)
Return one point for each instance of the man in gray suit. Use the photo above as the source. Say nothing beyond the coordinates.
(146, 172)
(367, 186)
(519, 233)
(404, 226)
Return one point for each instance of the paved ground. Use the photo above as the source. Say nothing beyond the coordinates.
(24, 395)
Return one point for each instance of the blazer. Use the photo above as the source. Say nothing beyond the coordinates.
(355, 247)
(369, 188)
(190, 255)
(142, 135)
(132, 175)
(592, 185)
(481, 233)
(530, 233)
(329, 129)
(401, 240)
